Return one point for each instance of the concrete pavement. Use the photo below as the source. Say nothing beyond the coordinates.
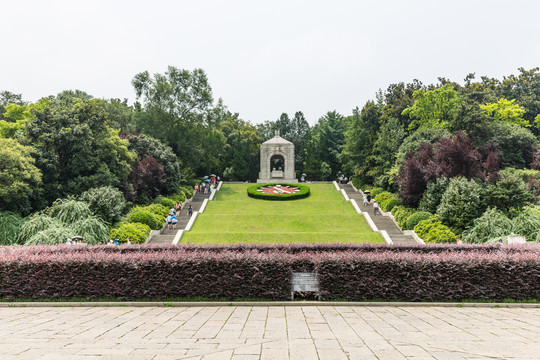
(270, 332)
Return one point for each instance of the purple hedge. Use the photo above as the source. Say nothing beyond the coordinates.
(352, 272)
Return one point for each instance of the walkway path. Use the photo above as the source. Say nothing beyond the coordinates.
(167, 235)
(263, 333)
(382, 222)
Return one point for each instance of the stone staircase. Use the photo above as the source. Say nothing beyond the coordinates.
(382, 222)
(166, 236)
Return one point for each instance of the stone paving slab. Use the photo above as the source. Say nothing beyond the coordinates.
(270, 332)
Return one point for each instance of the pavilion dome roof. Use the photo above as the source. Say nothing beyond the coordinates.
(277, 140)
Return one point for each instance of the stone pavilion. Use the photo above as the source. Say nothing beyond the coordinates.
(277, 161)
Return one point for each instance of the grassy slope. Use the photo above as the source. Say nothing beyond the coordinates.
(322, 217)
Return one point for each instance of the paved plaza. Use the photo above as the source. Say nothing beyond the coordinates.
(276, 332)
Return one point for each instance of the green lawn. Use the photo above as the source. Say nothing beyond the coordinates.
(323, 217)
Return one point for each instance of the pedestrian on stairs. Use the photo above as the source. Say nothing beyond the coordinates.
(174, 221)
(169, 221)
(178, 208)
(375, 208)
(365, 201)
(190, 211)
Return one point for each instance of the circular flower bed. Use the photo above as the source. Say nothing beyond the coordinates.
(278, 191)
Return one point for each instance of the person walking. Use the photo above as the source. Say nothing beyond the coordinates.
(190, 211)
(375, 208)
(169, 221)
(178, 207)
(365, 201)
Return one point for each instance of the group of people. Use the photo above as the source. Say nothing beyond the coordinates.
(116, 242)
(367, 200)
(172, 220)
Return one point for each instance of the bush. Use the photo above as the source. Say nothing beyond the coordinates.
(179, 197)
(145, 216)
(69, 211)
(433, 194)
(165, 201)
(527, 223)
(492, 224)
(383, 196)
(136, 232)
(354, 273)
(157, 209)
(92, 229)
(415, 218)
(10, 227)
(461, 203)
(401, 214)
(303, 193)
(51, 236)
(36, 223)
(390, 204)
(433, 231)
(106, 202)
(375, 191)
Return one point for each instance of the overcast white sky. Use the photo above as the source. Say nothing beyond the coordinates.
(264, 57)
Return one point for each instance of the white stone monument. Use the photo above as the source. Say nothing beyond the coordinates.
(277, 161)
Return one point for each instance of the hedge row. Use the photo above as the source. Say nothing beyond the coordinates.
(303, 193)
(294, 248)
(100, 272)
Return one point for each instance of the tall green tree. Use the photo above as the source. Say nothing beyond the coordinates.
(325, 145)
(175, 106)
(76, 150)
(434, 108)
(19, 177)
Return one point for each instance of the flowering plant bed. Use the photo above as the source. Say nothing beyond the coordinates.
(278, 191)
(350, 272)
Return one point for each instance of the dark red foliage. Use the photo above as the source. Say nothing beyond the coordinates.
(451, 157)
(146, 179)
(415, 175)
(352, 272)
(456, 156)
(535, 164)
(491, 167)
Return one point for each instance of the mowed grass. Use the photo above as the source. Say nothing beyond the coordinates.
(323, 217)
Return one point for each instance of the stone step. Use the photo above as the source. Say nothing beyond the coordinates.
(382, 222)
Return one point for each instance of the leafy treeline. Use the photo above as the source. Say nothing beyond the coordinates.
(404, 141)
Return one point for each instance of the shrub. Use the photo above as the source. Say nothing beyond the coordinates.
(383, 196)
(492, 224)
(92, 229)
(157, 209)
(508, 193)
(425, 273)
(179, 197)
(10, 227)
(69, 211)
(390, 204)
(461, 203)
(303, 193)
(136, 232)
(433, 231)
(375, 191)
(36, 223)
(415, 218)
(401, 214)
(51, 236)
(107, 203)
(433, 194)
(165, 201)
(527, 223)
(145, 216)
